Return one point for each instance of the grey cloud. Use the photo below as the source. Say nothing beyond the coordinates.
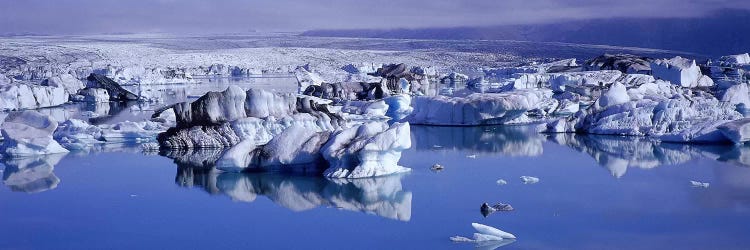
(211, 16)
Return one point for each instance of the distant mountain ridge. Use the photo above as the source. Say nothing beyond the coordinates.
(722, 33)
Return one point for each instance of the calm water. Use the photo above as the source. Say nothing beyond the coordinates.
(594, 193)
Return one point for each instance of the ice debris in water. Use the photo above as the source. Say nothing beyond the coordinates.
(501, 182)
(485, 233)
(437, 167)
(699, 184)
(529, 179)
(471, 156)
(486, 209)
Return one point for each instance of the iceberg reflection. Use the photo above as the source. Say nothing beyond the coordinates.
(618, 153)
(382, 196)
(508, 140)
(31, 174)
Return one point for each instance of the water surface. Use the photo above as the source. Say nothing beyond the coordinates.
(594, 193)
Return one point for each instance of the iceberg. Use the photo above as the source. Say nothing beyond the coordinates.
(29, 133)
(367, 150)
(680, 71)
(223, 119)
(529, 179)
(70, 83)
(699, 184)
(487, 235)
(478, 108)
(94, 95)
(115, 91)
(18, 96)
(739, 59)
(654, 109)
(372, 149)
(305, 78)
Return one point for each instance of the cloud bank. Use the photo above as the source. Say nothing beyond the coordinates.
(221, 16)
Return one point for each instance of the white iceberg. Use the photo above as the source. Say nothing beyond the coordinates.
(485, 234)
(372, 149)
(479, 108)
(17, 96)
(29, 133)
(529, 179)
(680, 71)
(699, 184)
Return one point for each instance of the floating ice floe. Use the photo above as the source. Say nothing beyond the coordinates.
(479, 108)
(529, 179)
(699, 184)
(486, 209)
(79, 135)
(371, 149)
(486, 234)
(437, 167)
(501, 182)
(29, 133)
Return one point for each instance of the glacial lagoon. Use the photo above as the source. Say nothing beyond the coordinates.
(595, 192)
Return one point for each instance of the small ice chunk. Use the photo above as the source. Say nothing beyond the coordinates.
(486, 209)
(529, 179)
(486, 237)
(471, 156)
(699, 184)
(437, 167)
(488, 230)
(460, 239)
(501, 182)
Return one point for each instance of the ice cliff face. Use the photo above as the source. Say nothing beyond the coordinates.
(680, 71)
(223, 119)
(17, 96)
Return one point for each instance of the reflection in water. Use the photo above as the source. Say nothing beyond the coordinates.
(729, 189)
(618, 153)
(31, 174)
(382, 196)
(508, 140)
(203, 158)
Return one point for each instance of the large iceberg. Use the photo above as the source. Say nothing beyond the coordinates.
(223, 119)
(29, 133)
(654, 109)
(480, 108)
(371, 149)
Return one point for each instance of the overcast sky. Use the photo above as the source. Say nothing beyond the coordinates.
(219, 16)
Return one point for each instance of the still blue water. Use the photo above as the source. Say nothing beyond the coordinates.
(594, 193)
